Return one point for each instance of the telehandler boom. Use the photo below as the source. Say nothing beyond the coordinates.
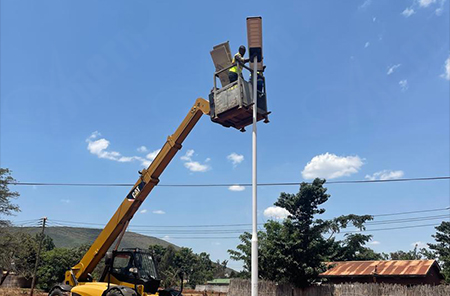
(78, 280)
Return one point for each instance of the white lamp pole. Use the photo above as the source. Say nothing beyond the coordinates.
(254, 184)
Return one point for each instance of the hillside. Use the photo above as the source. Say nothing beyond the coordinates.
(70, 237)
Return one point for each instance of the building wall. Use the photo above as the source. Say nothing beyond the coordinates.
(14, 281)
(212, 288)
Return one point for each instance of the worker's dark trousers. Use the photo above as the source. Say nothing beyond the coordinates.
(232, 76)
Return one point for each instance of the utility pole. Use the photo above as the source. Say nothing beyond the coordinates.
(33, 283)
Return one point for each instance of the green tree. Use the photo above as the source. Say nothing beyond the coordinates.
(414, 254)
(202, 270)
(157, 251)
(442, 248)
(196, 268)
(220, 269)
(6, 207)
(167, 269)
(293, 251)
(18, 252)
(54, 264)
(352, 248)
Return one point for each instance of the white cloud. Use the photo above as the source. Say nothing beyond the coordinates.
(374, 243)
(95, 135)
(365, 4)
(142, 149)
(159, 212)
(440, 9)
(65, 200)
(374, 19)
(235, 158)
(385, 175)
(446, 74)
(403, 84)
(215, 243)
(148, 158)
(143, 211)
(408, 12)
(276, 212)
(426, 3)
(331, 166)
(419, 4)
(367, 44)
(96, 147)
(188, 155)
(194, 166)
(99, 147)
(127, 158)
(236, 188)
(152, 155)
(392, 69)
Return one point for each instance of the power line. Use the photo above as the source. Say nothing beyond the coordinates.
(391, 228)
(234, 237)
(234, 225)
(227, 184)
(181, 230)
(229, 231)
(412, 212)
(407, 220)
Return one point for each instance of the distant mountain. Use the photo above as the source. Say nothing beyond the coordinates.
(71, 237)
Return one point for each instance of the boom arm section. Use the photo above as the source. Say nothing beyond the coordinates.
(148, 180)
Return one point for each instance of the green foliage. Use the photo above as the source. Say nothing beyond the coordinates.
(352, 249)
(220, 269)
(54, 264)
(442, 248)
(6, 207)
(18, 253)
(196, 268)
(293, 251)
(414, 254)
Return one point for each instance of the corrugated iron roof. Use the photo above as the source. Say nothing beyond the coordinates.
(380, 268)
(219, 282)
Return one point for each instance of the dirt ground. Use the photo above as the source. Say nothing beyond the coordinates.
(19, 292)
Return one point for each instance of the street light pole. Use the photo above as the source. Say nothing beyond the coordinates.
(254, 184)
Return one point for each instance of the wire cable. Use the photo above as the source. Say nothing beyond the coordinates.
(228, 184)
(234, 237)
(237, 225)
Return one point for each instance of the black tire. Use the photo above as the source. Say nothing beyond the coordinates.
(114, 292)
(56, 292)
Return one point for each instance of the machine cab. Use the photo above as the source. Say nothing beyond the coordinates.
(132, 266)
(232, 104)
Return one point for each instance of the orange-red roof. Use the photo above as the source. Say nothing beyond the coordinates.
(380, 268)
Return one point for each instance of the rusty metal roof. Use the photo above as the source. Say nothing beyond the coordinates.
(380, 268)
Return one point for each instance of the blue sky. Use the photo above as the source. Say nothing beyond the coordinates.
(357, 89)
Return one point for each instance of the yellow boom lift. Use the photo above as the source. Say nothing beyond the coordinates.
(132, 272)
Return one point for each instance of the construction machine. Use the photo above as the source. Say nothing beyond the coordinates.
(133, 272)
